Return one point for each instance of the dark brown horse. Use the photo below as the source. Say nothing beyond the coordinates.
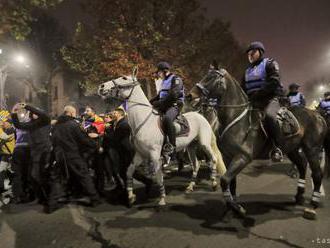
(242, 137)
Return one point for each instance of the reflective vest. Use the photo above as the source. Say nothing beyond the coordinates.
(255, 77)
(296, 100)
(325, 105)
(166, 86)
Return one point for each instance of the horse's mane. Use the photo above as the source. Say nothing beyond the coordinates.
(233, 80)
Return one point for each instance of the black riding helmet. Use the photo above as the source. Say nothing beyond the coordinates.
(256, 45)
(326, 94)
(163, 66)
(294, 86)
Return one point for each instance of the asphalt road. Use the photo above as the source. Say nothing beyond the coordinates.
(190, 220)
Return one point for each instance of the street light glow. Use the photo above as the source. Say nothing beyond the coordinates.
(20, 58)
(321, 88)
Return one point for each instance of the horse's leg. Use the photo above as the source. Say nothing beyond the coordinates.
(195, 167)
(301, 164)
(313, 157)
(237, 164)
(214, 173)
(232, 186)
(206, 143)
(160, 181)
(137, 160)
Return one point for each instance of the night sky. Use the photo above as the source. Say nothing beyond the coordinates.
(295, 32)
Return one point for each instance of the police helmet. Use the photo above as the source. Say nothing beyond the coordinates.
(256, 45)
(163, 65)
(294, 86)
(327, 94)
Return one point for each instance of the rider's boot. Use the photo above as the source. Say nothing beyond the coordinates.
(170, 146)
(272, 128)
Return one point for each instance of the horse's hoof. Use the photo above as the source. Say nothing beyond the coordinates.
(161, 208)
(238, 209)
(131, 201)
(215, 187)
(189, 190)
(315, 204)
(309, 214)
(300, 200)
(162, 202)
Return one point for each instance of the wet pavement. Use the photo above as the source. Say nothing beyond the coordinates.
(189, 220)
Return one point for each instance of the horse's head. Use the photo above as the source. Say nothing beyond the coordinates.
(120, 88)
(212, 85)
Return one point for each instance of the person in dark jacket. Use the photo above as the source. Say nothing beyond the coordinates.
(39, 130)
(121, 151)
(69, 140)
(169, 102)
(21, 163)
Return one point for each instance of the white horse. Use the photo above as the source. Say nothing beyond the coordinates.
(148, 138)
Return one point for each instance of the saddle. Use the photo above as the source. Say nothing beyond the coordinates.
(287, 122)
(181, 124)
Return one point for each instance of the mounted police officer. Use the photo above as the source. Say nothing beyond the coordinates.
(169, 102)
(262, 77)
(324, 106)
(296, 98)
(262, 84)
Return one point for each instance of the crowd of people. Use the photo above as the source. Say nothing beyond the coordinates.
(75, 158)
(72, 158)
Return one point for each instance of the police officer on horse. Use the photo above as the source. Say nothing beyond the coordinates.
(296, 98)
(324, 107)
(262, 84)
(169, 102)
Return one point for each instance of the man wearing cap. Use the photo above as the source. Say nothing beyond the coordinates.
(296, 98)
(169, 102)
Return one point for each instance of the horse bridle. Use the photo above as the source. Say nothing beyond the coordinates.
(118, 87)
(133, 84)
(205, 92)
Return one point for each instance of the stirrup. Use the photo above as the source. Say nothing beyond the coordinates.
(276, 155)
(168, 149)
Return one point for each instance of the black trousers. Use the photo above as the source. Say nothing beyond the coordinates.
(77, 169)
(40, 157)
(21, 165)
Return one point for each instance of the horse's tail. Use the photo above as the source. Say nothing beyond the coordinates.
(221, 168)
